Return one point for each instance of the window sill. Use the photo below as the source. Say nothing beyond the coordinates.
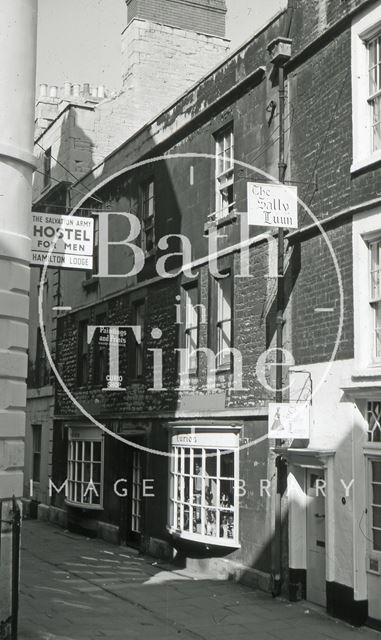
(214, 223)
(372, 448)
(366, 163)
(370, 373)
(88, 507)
(91, 283)
(224, 368)
(151, 253)
(206, 540)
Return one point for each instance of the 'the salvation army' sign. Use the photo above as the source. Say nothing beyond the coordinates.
(272, 205)
(69, 238)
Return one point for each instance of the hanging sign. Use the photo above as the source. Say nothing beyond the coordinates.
(289, 420)
(272, 205)
(68, 239)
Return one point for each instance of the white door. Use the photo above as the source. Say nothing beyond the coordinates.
(374, 540)
(316, 576)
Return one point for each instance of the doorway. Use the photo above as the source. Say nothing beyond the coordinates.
(316, 539)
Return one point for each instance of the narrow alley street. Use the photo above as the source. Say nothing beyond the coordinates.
(73, 588)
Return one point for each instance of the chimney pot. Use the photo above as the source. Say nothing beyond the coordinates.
(43, 90)
(53, 93)
(67, 89)
(101, 91)
(76, 90)
(86, 89)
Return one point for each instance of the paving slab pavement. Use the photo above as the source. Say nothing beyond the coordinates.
(75, 588)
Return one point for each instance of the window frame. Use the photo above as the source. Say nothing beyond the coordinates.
(195, 505)
(47, 168)
(220, 321)
(374, 300)
(84, 435)
(41, 365)
(188, 328)
(224, 180)
(138, 349)
(136, 492)
(91, 276)
(365, 28)
(374, 97)
(147, 221)
(373, 553)
(36, 428)
(83, 353)
(100, 352)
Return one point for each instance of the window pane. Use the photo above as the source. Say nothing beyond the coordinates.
(186, 485)
(376, 122)
(191, 309)
(227, 493)
(210, 493)
(210, 523)
(226, 524)
(211, 462)
(377, 540)
(96, 473)
(376, 471)
(377, 517)
(227, 464)
(377, 494)
(87, 472)
(97, 451)
(224, 342)
(186, 518)
(197, 462)
(187, 454)
(224, 298)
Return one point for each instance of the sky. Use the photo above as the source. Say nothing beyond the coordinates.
(79, 40)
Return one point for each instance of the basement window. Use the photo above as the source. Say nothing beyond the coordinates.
(204, 487)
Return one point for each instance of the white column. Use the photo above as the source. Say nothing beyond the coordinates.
(18, 35)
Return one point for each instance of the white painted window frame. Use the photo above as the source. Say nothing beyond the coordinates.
(80, 435)
(213, 440)
(225, 178)
(366, 229)
(364, 28)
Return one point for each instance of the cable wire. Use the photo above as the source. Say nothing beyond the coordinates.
(68, 171)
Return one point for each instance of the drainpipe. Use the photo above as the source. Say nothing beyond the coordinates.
(280, 52)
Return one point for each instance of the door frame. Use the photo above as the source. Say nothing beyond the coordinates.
(299, 461)
(310, 501)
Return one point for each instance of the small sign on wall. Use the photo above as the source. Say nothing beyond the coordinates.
(289, 420)
(272, 205)
(62, 241)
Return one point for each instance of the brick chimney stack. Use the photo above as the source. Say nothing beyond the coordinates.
(202, 16)
(167, 46)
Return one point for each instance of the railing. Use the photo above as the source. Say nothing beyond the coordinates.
(14, 522)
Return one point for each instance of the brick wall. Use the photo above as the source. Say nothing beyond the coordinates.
(312, 19)
(204, 16)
